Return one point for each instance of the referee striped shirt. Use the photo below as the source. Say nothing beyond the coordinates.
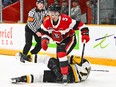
(35, 18)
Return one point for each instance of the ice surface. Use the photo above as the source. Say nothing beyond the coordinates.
(11, 67)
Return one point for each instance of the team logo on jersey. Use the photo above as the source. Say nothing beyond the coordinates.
(56, 36)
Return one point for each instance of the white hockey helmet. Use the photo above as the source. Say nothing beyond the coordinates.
(84, 70)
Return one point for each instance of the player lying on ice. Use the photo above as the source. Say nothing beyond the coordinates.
(77, 73)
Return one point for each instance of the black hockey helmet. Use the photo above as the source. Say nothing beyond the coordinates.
(64, 1)
(40, 1)
(75, 1)
(54, 7)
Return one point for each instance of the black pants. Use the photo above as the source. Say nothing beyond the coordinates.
(51, 75)
(28, 41)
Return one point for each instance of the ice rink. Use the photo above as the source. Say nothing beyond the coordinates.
(11, 67)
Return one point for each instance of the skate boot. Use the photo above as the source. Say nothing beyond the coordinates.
(64, 79)
(23, 57)
(16, 80)
(19, 79)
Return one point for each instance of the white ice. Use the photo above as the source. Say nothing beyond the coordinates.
(11, 67)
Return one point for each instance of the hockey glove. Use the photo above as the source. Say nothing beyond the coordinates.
(38, 34)
(85, 34)
(45, 44)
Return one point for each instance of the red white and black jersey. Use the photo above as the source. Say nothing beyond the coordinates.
(64, 28)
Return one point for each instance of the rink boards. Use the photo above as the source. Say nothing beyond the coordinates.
(99, 50)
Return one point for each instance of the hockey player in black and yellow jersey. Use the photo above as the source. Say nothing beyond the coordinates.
(77, 72)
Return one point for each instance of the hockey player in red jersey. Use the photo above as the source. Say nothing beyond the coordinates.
(61, 29)
(76, 72)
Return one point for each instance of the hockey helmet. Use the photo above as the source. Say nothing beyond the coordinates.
(84, 70)
(86, 65)
(75, 1)
(64, 1)
(54, 7)
(40, 1)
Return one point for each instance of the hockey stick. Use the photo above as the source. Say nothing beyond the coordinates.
(101, 70)
(83, 49)
(82, 57)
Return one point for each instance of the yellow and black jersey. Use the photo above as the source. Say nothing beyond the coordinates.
(80, 72)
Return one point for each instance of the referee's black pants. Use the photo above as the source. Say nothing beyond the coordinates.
(28, 41)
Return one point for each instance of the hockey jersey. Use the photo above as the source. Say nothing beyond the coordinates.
(64, 28)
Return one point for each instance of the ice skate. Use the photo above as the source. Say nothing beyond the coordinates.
(23, 57)
(64, 79)
(16, 80)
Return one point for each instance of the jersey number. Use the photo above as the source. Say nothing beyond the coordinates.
(66, 19)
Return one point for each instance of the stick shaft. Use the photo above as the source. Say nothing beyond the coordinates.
(82, 56)
(101, 70)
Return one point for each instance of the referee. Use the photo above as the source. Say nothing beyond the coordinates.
(35, 18)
